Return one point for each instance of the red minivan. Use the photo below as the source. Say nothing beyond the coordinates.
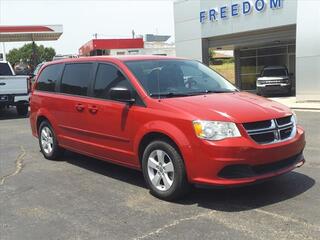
(177, 120)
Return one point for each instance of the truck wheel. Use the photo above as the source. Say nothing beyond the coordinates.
(48, 142)
(164, 171)
(22, 110)
(289, 92)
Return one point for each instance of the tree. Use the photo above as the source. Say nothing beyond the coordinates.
(211, 52)
(25, 54)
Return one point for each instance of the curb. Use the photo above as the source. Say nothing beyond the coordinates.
(305, 108)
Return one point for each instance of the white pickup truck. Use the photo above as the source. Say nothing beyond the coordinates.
(14, 89)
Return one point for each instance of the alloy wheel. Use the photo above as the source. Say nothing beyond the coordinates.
(46, 140)
(160, 170)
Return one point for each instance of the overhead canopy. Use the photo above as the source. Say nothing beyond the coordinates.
(108, 44)
(30, 33)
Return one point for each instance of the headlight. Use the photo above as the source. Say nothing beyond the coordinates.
(294, 118)
(215, 130)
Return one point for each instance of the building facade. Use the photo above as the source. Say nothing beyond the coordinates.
(150, 45)
(260, 32)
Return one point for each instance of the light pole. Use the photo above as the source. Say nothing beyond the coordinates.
(3, 45)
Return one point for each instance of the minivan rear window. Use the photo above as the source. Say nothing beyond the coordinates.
(76, 78)
(48, 78)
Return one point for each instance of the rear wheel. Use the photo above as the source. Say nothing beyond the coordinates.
(22, 109)
(48, 142)
(164, 171)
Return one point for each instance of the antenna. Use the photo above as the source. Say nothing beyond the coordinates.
(158, 80)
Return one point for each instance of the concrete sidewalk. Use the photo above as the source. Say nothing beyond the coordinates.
(294, 104)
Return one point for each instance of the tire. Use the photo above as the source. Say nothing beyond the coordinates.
(48, 142)
(165, 181)
(259, 92)
(22, 110)
(289, 92)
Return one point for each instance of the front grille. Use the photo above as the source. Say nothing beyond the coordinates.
(284, 120)
(271, 131)
(257, 125)
(272, 81)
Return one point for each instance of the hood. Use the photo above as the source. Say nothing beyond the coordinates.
(239, 107)
(273, 78)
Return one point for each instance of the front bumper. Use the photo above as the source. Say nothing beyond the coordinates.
(249, 162)
(14, 99)
(281, 88)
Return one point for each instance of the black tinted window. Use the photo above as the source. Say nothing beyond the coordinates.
(108, 77)
(76, 78)
(5, 70)
(48, 78)
(274, 73)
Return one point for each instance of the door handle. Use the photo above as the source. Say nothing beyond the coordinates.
(93, 109)
(79, 107)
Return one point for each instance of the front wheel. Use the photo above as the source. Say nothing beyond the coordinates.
(22, 109)
(164, 171)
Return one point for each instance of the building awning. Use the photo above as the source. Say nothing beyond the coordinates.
(30, 33)
(108, 44)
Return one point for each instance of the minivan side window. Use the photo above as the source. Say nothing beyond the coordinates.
(76, 78)
(48, 78)
(108, 77)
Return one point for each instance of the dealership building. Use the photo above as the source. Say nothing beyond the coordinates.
(260, 32)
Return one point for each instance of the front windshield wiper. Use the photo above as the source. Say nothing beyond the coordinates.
(169, 94)
(223, 90)
(186, 94)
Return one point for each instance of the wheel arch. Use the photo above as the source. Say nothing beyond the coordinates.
(42, 115)
(168, 132)
(152, 136)
(40, 119)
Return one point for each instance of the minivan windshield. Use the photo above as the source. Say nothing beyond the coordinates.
(176, 78)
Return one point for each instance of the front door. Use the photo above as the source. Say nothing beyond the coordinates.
(111, 123)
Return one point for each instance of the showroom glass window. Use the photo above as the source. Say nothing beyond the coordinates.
(76, 78)
(48, 78)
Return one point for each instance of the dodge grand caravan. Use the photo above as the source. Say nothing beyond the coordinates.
(177, 120)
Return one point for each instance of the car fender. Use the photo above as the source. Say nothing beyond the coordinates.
(42, 112)
(170, 130)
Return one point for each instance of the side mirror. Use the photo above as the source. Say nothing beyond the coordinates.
(121, 94)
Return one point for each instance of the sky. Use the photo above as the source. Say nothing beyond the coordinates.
(83, 18)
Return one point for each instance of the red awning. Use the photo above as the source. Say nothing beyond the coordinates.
(30, 33)
(108, 44)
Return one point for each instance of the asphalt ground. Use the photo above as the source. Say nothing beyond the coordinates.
(84, 198)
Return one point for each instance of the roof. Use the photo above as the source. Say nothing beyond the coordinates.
(30, 33)
(157, 38)
(108, 44)
(121, 58)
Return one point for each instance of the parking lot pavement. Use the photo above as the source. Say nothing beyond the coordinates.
(83, 198)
